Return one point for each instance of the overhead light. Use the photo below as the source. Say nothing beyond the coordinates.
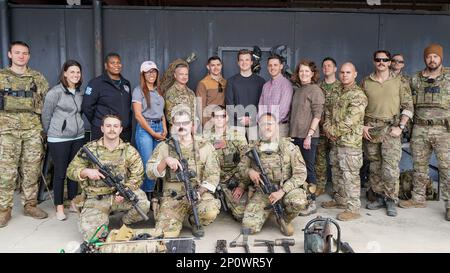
(373, 2)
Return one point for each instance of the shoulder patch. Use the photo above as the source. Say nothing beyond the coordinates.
(88, 90)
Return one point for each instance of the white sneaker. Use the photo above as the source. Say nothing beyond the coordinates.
(60, 216)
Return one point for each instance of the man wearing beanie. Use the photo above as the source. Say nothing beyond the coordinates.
(389, 108)
(431, 131)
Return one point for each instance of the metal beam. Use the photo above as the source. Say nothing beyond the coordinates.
(4, 30)
(98, 37)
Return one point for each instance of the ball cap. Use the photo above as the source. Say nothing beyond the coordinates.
(148, 65)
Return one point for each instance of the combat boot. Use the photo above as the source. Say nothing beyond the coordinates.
(391, 209)
(348, 216)
(5, 216)
(197, 231)
(407, 204)
(377, 204)
(320, 191)
(34, 211)
(447, 214)
(332, 204)
(311, 209)
(289, 229)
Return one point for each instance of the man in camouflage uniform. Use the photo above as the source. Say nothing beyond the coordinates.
(285, 167)
(101, 199)
(330, 87)
(431, 131)
(344, 126)
(230, 147)
(164, 163)
(389, 108)
(22, 93)
(179, 95)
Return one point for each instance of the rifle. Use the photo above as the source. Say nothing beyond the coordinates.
(267, 188)
(184, 175)
(115, 182)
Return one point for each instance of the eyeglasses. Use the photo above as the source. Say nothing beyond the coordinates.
(220, 88)
(398, 61)
(385, 60)
(269, 123)
(219, 116)
(180, 123)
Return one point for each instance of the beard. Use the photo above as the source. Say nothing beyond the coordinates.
(433, 66)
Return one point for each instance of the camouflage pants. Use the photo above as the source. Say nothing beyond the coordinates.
(323, 149)
(424, 140)
(346, 162)
(384, 167)
(236, 208)
(21, 153)
(255, 215)
(172, 213)
(96, 212)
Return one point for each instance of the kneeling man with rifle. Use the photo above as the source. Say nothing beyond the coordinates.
(190, 173)
(276, 167)
(110, 173)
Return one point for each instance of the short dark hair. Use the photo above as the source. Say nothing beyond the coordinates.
(388, 54)
(22, 43)
(66, 66)
(214, 58)
(111, 116)
(329, 59)
(218, 108)
(244, 52)
(397, 54)
(111, 55)
(275, 56)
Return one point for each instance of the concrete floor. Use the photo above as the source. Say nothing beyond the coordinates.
(413, 230)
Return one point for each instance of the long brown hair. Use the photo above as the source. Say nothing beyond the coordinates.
(66, 66)
(144, 88)
(316, 75)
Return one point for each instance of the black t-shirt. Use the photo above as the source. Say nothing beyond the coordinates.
(244, 91)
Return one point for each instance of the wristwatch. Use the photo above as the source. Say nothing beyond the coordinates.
(402, 126)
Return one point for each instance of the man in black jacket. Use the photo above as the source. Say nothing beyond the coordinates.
(108, 94)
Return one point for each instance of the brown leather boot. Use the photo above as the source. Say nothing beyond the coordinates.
(34, 211)
(5, 216)
(348, 216)
(289, 229)
(320, 191)
(332, 204)
(407, 204)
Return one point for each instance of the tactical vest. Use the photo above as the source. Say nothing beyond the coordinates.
(431, 94)
(228, 157)
(194, 163)
(116, 160)
(17, 94)
(276, 164)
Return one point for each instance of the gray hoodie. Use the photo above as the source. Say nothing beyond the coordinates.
(61, 115)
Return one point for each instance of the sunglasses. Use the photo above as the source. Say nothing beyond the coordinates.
(269, 123)
(398, 61)
(220, 88)
(220, 116)
(385, 60)
(182, 123)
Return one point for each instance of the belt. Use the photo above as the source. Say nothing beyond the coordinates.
(430, 122)
(154, 119)
(390, 121)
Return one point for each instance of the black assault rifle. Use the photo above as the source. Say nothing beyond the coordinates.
(184, 175)
(267, 188)
(115, 181)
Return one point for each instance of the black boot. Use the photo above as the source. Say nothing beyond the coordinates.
(391, 209)
(377, 204)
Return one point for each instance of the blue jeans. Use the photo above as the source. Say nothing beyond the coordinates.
(146, 144)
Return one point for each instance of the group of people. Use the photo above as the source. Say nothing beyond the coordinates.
(294, 124)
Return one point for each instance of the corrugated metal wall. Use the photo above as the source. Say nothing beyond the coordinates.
(56, 34)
